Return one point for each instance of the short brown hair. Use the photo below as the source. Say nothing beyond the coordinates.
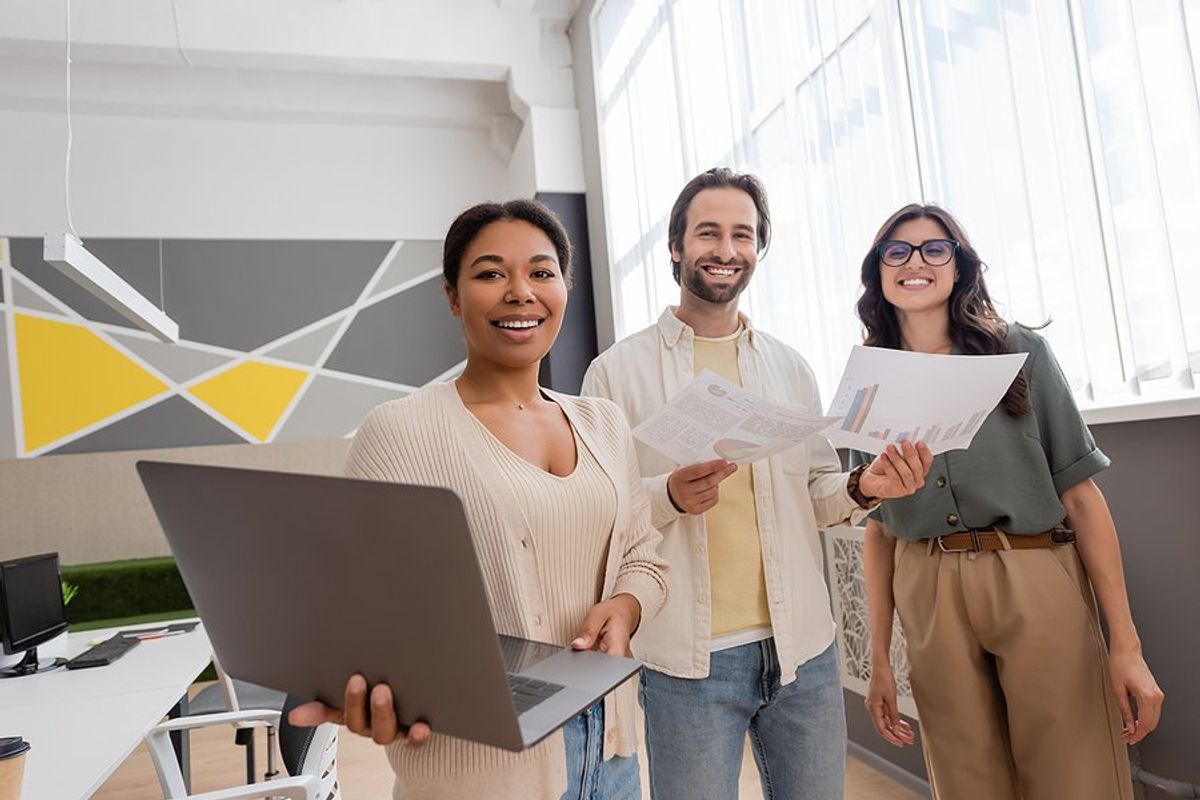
(718, 178)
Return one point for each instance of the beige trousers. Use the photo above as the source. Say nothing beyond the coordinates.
(1008, 669)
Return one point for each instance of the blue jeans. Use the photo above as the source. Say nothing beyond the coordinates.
(696, 729)
(589, 776)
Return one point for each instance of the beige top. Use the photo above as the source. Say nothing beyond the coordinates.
(569, 519)
(431, 438)
(794, 492)
(735, 568)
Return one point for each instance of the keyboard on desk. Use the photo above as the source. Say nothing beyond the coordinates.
(104, 653)
(527, 692)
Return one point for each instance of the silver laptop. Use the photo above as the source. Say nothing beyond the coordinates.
(304, 580)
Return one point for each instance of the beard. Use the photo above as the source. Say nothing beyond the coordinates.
(695, 280)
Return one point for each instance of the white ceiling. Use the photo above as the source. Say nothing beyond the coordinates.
(440, 63)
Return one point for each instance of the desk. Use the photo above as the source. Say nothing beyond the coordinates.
(83, 723)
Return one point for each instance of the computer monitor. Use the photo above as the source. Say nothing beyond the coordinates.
(32, 611)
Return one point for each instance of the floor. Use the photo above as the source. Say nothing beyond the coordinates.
(363, 772)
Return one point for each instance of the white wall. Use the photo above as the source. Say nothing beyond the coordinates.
(282, 118)
(200, 178)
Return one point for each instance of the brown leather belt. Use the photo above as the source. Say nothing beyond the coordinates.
(979, 539)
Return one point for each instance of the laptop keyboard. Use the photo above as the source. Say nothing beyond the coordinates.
(527, 692)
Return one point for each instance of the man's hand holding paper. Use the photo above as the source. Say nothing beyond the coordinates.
(713, 418)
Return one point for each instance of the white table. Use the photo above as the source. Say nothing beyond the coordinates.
(83, 723)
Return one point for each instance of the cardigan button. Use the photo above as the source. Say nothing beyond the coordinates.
(941, 482)
(952, 519)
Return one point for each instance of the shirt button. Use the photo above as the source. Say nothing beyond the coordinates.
(699, 549)
(525, 543)
(941, 483)
(701, 599)
(537, 620)
(952, 519)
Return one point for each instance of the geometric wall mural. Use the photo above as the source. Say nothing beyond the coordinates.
(279, 341)
(848, 588)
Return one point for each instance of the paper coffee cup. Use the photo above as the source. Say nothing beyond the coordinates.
(12, 766)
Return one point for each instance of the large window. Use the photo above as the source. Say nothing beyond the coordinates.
(1065, 135)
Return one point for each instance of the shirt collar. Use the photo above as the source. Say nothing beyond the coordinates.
(672, 329)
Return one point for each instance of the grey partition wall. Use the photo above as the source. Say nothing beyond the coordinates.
(576, 345)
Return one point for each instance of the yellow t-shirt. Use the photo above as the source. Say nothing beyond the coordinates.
(739, 590)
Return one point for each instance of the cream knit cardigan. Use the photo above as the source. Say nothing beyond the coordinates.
(431, 438)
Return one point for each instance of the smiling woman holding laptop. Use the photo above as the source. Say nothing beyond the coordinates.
(555, 506)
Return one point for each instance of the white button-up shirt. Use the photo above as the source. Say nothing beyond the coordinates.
(794, 492)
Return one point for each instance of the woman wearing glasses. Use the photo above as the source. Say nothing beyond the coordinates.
(992, 565)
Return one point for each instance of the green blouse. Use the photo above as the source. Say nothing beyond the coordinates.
(1013, 473)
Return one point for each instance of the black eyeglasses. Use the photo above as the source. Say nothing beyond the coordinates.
(935, 252)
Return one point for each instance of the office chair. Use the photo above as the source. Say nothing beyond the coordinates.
(309, 756)
(231, 694)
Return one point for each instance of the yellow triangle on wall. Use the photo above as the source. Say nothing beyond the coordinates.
(71, 378)
(253, 395)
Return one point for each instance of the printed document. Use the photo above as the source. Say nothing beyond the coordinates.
(715, 418)
(887, 396)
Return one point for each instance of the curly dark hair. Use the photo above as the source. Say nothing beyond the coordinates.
(468, 224)
(976, 328)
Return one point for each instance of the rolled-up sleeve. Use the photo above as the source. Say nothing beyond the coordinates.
(1071, 452)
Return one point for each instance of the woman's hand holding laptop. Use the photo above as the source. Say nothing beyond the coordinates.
(609, 625)
(607, 628)
(378, 721)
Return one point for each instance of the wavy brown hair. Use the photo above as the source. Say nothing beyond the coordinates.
(975, 326)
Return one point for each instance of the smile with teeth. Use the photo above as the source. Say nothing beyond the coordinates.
(722, 272)
(915, 281)
(517, 324)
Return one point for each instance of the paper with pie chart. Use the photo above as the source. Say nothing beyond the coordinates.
(715, 418)
(887, 396)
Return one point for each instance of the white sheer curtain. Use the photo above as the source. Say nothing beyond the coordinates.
(1065, 135)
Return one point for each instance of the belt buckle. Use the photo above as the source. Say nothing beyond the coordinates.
(976, 545)
(941, 542)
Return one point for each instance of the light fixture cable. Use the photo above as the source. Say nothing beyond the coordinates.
(178, 34)
(70, 133)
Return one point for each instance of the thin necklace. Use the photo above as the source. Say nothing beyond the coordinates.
(520, 406)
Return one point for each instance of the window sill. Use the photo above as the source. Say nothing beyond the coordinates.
(1142, 408)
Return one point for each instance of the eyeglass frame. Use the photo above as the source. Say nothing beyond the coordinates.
(912, 248)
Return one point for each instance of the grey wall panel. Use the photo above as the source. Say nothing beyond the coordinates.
(415, 258)
(332, 408)
(575, 348)
(24, 297)
(1153, 475)
(237, 294)
(177, 362)
(172, 423)
(308, 348)
(245, 294)
(135, 260)
(8, 439)
(409, 338)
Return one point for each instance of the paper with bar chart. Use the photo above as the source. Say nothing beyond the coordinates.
(887, 396)
(715, 418)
